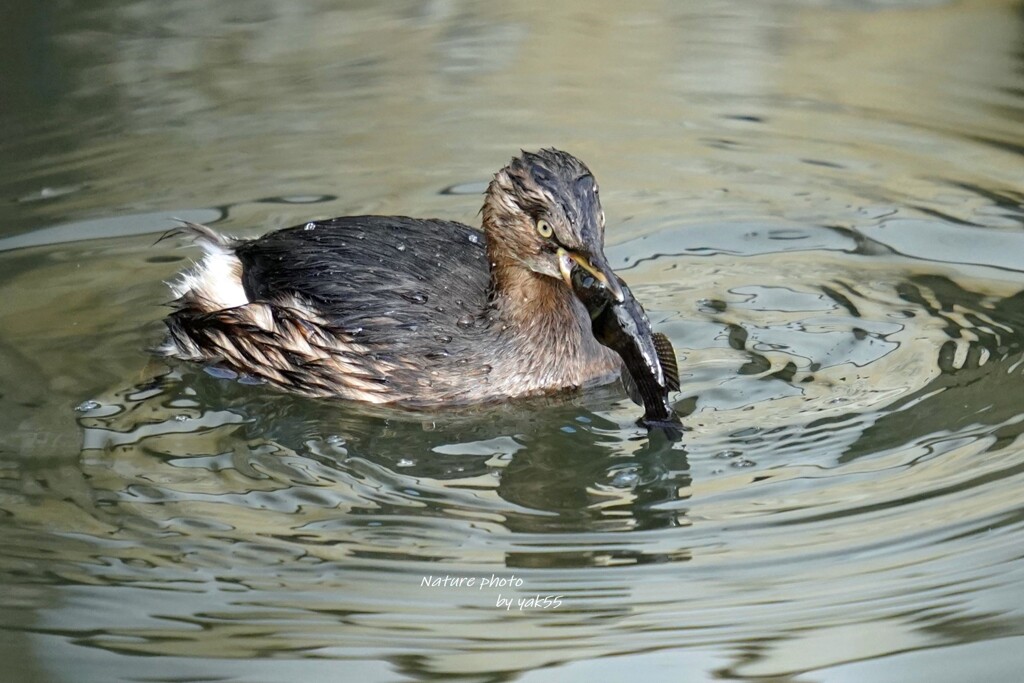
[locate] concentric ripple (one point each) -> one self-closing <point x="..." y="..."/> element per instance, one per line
<point x="819" y="202"/>
<point x="849" y="462"/>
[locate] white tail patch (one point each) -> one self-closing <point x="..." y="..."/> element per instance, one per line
<point x="216" y="279"/>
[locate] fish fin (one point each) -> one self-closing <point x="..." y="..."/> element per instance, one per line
<point x="630" y="386"/>
<point x="667" y="356"/>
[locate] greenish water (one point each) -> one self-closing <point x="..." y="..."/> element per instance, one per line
<point x="820" y="202"/>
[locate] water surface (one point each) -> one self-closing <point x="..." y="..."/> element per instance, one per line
<point x="820" y="202"/>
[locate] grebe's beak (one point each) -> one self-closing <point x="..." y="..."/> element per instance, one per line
<point x="598" y="267"/>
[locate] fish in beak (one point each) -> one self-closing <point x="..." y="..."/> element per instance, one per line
<point x="597" y="267"/>
<point x="649" y="362"/>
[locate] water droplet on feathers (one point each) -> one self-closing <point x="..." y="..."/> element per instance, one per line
<point x="416" y="297"/>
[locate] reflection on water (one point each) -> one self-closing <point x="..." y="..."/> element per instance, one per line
<point x="821" y="209"/>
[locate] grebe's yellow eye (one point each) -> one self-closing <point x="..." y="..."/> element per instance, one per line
<point x="544" y="229"/>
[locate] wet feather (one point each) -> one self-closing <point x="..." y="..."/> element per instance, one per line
<point x="391" y="309"/>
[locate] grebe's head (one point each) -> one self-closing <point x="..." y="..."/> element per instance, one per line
<point x="543" y="211"/>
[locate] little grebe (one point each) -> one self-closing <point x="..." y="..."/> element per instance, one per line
<point x="408" y="311"/>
